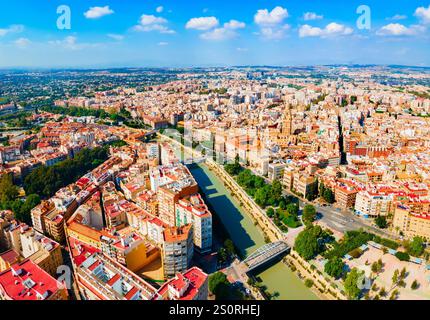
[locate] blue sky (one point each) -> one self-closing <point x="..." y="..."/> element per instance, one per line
<point x="176" y="33"/>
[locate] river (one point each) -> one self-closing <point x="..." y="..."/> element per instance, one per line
<point x="248" y="237"/>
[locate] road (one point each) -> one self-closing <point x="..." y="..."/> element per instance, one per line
<point x="342" y="220"/>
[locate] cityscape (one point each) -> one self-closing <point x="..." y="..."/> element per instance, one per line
<point x="242" y="179"/>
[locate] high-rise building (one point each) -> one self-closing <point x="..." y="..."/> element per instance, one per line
<point x="192" y="209"/>
<point x="178" y="249"/>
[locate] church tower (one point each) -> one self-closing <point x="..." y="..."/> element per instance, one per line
<point x="287" y="122"/>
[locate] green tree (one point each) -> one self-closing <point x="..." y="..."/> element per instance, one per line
<point x="328" y="196"/>
<point x="312" y="193"/>
<point x="351" y="284"/>
<point x="381" y="222"/>
<point x="309" y="283"/>
<point x="334" y="267"/>
<point x="307" y="242"/>
<point x="415" y="247"/>
<point x="229" y="246"/>
<point x="309" y="213"/>
<point x="292" y="209"/>
<point x="276" y="193"/>
<point x="221" y="287"/>
<point x="270" y="212"/>
<point x="8" y="191"/>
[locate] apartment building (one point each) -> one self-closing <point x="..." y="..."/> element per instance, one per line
<point x="370" y="204"/>
<point x="27" y="281"/>
<point x="345" y="193"/>
<point x="193" y="210"/>
<point x="99" y="277"/>
<point x="178" y="249"/>
<point x="411" y="223"/>
<point x="191" y="285"/>
<point x="28" y="243"/>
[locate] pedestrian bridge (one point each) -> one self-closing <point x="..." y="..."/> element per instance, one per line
<point x="265" y="255"/>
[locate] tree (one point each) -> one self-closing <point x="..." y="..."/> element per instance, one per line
<point x="415" y="285"/>
<point x="8" y="191"/>
<point x="307" y="244"/>
<point x="402" y="256"/>
<point x="276" y="194"/>
<point x="309" y="283"/>
<point x="222" y="255"/>
<point x="381" y="222"/>
<point x="415" y="247"/>
<point x="292" y="209"/>
<point x="309" y="213"/>
<point x="312" y="192"/>
<point x="222" y="289"/>
<point x="328" y="196"/>
<point x="395" y="277"/>
<point x="334" y="267"/>
<point x="23" y="210"/>
<point x="229" y="246"/>
<point x="351" y="284"/>
<point x="217" y="284"/>
<point x="261" y="197"/>
<point x="270" y="212"/>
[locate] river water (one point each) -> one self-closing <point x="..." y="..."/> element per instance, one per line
<point x="247" y="237"/>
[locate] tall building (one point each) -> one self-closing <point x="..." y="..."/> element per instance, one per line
<point x="172" y="183"/>
<point x="192" y="209"/>
<point x="178" y="249"/>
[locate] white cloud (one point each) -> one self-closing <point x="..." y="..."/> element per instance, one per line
<point x="15" y="28"/>
<point x="423" y="14"/>
<point x="312" y="16"/>
<point x="330" y="30"/>
<point x="163" y="43"/>
<point x="242" y="49"/>
<point x="397" y="29"/>
<point x="149" y="19"/>
<point x="219" y="34"/>
<point x="234" y="24"/>
<point x="209" y="24"/>
<point x="397" y="17"/>
<point x="202" y="23"/>
<point x="276" y="16"/>
<point x="22" y="42"/>
<point x="159" y="9"/>
<point x="98" y="12"/>
<point x="270" y="33"/>
<point x="69" y="42"/>
<point x="271" y="23"/>
<point x="117" y="37"/>
<point x="152" y="23"/>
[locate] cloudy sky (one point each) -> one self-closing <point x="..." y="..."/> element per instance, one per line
<point x="176" y="33"/>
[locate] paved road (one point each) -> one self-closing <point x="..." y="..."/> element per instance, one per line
<point x="343" y="220"/>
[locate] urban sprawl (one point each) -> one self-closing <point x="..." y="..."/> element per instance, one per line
<point x="102" y="195"/>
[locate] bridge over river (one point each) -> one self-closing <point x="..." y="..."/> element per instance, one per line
<point x="266" y="255"/>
